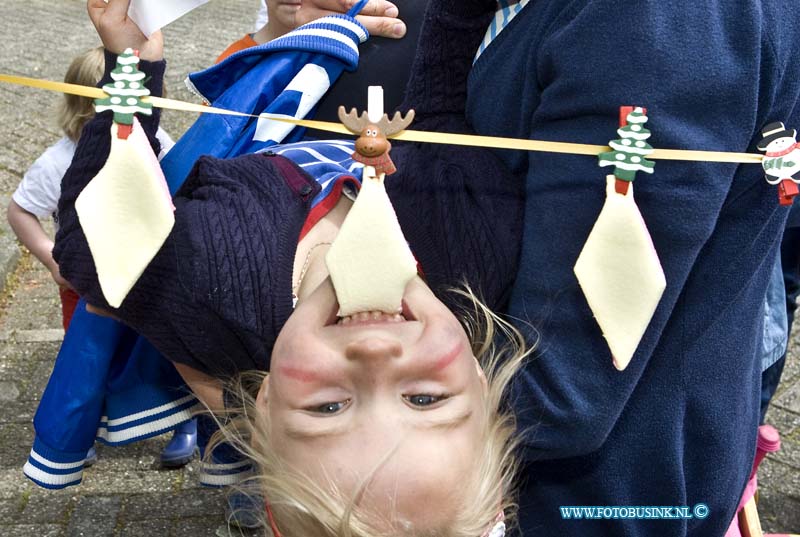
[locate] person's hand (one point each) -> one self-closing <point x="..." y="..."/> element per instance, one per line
<point x="379" y="17"/>
<point x="119" y="32"/>
<point x="58" y="278"/>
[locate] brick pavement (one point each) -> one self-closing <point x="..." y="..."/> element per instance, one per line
<point x="126" y="493"/>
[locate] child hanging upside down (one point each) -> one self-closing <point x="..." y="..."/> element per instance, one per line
<point x="383" y="422"/>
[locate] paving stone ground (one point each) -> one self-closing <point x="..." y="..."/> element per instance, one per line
<point x="126" y="493"/>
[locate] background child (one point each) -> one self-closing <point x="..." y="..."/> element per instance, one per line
<point x="37" y="196"/>
<point x="384" y="60"/>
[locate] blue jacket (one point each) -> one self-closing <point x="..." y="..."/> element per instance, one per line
<point x="678" y="426"/>
<point x="285" y="77"/>
<point x="110" y="384"/>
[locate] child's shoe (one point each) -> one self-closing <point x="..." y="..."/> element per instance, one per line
<point x="91" y="457"/>
<point x="182" y="447"/>
<point x="244" y="511"/>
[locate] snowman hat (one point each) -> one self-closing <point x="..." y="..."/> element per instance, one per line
<point x="772" y="132"/>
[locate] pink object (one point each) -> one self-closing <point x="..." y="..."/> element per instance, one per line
<point x="769" y="441"/>
<point x="749" y="492"/>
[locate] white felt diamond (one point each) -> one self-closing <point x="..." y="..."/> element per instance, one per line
<point x="370" y="262"/>
<point x="620" y="274"/>
<point x="126" y="213"/>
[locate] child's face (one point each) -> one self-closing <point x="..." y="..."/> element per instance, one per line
<point x="342" y="399"/>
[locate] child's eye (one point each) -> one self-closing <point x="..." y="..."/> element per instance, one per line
<point x="424" y="399"/>
<point x="328" y="408"/>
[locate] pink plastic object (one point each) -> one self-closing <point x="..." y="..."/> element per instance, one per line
<point x="769" y="441"/>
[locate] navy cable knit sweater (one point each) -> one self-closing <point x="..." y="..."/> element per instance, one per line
<point x="219" y="290"/>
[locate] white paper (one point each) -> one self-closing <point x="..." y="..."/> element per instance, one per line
<point x="152" y="15"/>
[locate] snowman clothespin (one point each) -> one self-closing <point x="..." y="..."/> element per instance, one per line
<point x="782" y="161"/>
<point x="618" y="269"/>
<point x="125" y="211"/>
<point x="370" y="262"/>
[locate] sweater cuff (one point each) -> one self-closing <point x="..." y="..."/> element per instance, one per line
<point x="154" y="81"/>
<point x="154" y="73"/>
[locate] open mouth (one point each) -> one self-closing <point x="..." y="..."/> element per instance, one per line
<point x="370" y="317"/>
<point x="366" y="318"/>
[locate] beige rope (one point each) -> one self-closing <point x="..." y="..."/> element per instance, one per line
<point x="406" y="135"/>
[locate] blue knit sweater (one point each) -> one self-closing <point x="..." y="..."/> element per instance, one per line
<point x="678" y="426"/>
<point x="219" y="290"/>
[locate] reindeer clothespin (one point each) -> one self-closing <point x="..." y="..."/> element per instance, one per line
<point x="374" y="128"/>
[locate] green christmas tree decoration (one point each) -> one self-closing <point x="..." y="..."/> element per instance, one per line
<point x="629" y="150"/>
<point x="126" y="92"/>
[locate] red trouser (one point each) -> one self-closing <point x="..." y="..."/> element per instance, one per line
<point x="69" y="300"/>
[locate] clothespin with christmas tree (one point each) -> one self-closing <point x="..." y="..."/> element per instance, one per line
<point x="125" y="93"/>
<point x="618" y="268"/>
<point x="370" y="262"/>
<point x="629" y="152"/>
<point x="125" y="211"/>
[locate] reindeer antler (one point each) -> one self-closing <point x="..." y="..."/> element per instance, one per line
<point x="352" y="121"/>
<point x="397" y="124"/>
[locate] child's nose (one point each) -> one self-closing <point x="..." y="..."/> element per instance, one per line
<point x="372" y="348"/>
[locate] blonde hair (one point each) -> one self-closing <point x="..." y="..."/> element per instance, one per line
<point x="74" y="111"/>
<point x="302" y="507"/>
